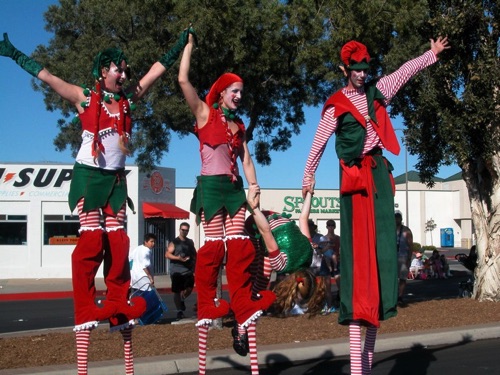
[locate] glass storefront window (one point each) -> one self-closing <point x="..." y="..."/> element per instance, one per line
<point x="60" y="229"/>
<point x="13" y="229"/>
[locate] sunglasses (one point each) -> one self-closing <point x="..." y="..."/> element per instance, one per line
<point x="185" y="230"/>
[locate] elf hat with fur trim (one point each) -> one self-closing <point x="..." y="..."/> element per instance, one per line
<point x="355" y="56"/>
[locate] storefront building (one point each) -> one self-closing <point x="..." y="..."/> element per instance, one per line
<point x="38" y="232"/>
<point x="446" y="204"/>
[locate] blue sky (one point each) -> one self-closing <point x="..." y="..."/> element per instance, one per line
<point x="28" y="129"/>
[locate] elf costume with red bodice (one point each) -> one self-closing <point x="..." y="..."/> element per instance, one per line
<point x="102" y="186"/>
<point x="219" y="203"/>
<point x="98" y="187"/>
<point x="212" y="194"/>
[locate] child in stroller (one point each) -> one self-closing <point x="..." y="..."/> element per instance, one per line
<point x="468" y="261"/>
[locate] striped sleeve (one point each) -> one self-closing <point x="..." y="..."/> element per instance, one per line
<point x="326" y="128"/>
<point x="278" y="260"/>
<point x="390" y="84"/>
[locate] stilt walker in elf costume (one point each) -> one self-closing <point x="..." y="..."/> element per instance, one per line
<point x="358" y="117"/>
<point x="99" y="189"/>
<point x="219" y="202"/>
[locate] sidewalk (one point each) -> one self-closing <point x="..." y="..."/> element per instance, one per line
<point x="26" y="289"/>
<point x="188" y="362"/>
<point x="182" y="363"/>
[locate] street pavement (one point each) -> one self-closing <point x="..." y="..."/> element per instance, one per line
<point x="18" y="289"/>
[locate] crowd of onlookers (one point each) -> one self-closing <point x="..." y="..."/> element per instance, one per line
<point x="435" y="266"/>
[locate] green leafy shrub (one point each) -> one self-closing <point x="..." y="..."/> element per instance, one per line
<point x="429" y="247"/>
<point x="416" y="247"/>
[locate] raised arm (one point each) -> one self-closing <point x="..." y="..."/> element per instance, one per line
<point x="198" y="107"/>
<point x="389" y="85"/>
<point x="69" y="92"/>
<point x="161" y="66"/>
<point x="306" y="208"/>
<point x="253" y="199"/>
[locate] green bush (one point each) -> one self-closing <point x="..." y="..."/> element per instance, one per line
<point x="429" y="247"/>
<point x="416" y="247"/>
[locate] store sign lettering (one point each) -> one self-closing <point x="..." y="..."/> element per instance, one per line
<point x="319" y="205"/>
<point x="41" y="178"/>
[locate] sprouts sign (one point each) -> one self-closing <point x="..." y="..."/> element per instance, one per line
<point x="319" y="204"/>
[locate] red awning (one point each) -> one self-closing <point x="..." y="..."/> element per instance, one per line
<point x="165" y="210"/>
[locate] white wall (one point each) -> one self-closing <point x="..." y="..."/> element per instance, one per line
<point x="20" y="196"/>
<point x="443" y="206"/>
<point x="36" y="190"/>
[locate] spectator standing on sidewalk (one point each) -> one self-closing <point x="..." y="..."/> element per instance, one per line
<point x="141" y="260"/>
<point x="330" y="247"/>
<point x="404" y="243"/>
<point x="182" y="255"/>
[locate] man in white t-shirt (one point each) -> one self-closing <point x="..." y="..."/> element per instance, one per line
<point x="141" y="260"/>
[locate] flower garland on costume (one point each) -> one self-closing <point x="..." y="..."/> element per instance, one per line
<point x="231" y="138"/>
<point x="125" y="105"/>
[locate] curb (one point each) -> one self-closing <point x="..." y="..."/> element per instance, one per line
<point x="279" y="353"/>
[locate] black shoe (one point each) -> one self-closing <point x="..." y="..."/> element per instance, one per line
<point x="402" y="302"/>
<point x="240" y="342"/>
<point x="180" y="315"/>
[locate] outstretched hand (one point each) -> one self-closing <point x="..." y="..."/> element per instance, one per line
<point x="6" y="47"/>
<point x="193" y="38"/>
<point x="253" y="196"/>
<point x="439" y="45"/>
<point x="312" y="179"/>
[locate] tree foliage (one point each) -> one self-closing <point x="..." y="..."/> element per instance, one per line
<point x="452" y="114"/>
<point x="452" y="111"/>
<point x="288" y="52"/>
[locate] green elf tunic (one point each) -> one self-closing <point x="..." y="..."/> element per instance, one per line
<point x="368" y="262"/>
<point x="291" y="242"/>
<point x="368" y="230"/>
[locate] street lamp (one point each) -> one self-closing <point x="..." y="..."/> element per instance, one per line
<point x="406" y="176"/>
